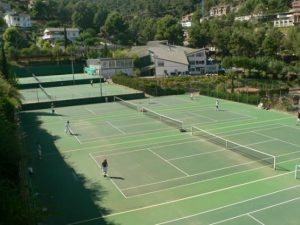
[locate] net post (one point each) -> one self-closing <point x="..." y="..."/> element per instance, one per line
<point x="296" y="171"/>
<point x="274" y="166"/>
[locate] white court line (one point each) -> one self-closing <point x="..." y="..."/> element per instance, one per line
<point x="182" y="199"/>
<point x="258" y="210"/>
<point x="222" y="149"/>
<point x="289" y="126"/>
<point x="191" y="183"/>
<point x="198" y="154"/>
<point x="248" y="130"/>
<point x="248" y="214"/>
<point x="119" y="153"/>
<point x="91" y="111"/>
<point x="199" y="115"/>
<point x="243" y="115"/>
<point x="117" y="128"/>
<point x="168" y="162"/>
<point x="123" y="143"/>
<point x="109" y="179"/>
<point x="144" y="149"/>
<point x="75" y="136"/>
<point x="244" y="124"/>
<point x="90" y="140"/>
<point x="287" y="142"/>
<point x="233" y="204"/>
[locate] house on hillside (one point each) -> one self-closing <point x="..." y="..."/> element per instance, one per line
<point x="13" y="19"/>
<point x="108" y="67"/>
<point x="296" y="12"/>
<point x="290" y="18"/>
<point x="201" y="63"/>
<point x="166" y="60"/>
<point x="220" y="10"/>
<point x="186" y="20"/>
<point x="284" y="20"/>
<point x="169" y="60"/>
<point x="56" y="34"/>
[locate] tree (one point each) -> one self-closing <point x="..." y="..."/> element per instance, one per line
<point x="40" y="10"/>
<point x="115" y="28"/>
<point x="272" y="42"/>
<point x="240" y="43"/>
<point x="4" y="65"/>
<point x="14" y="37"/>
<point x="99" y="18"/>
<point x="169" y="29"/>
<point x="198" y="36"/>
<point x="83" y="15"/>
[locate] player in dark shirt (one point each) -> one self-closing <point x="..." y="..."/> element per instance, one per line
<point x="104" y="167"/>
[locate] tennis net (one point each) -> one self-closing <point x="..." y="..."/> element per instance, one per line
<point x="297" y="171"/>
<point x="45" y="92"/>
<point x="40" y="86"/>
<point x="244" y="150"/>
<point x="168" y="120"/>
<point x="37" y="79"/>
<point x="126" y="103"/>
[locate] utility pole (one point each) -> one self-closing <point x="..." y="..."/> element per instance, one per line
<point x="202" y="8"/>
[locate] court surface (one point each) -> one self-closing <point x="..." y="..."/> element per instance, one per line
<point x="73" y="92"/>
<point x="55" y="78"/>
<point x="159" y="175"/>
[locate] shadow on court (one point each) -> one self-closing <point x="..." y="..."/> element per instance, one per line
<point x="61" y="193"/>
<point x="117" y="178"/>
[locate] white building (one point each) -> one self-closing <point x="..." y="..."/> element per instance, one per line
<point x="108" y="67"/>
<point x="14" y="20"/>
<point x="55" y="34"/>
<point x="284" y="20"/>
<point x="220" y="10"/>
<point x="169" y="60"/>
<point x="186" y="20"/>
<point x="201" y="63"/>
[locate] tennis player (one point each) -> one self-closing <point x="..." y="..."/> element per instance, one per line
<point x="104" y="167"/>
<point x="298" y="118"/>
<point x="192" y="96"/>
<point x="52" y="108"/>
<point x="217" y="104"/>
<point x="67" y="127"/>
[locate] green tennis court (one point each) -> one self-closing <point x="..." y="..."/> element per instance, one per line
<point x="73" y="92"/>
<point x="55" y="78"/>
<point x="159" y="175"/>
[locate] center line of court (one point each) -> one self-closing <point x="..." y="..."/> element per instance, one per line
<point x="255" y="219"/>
<point x="115" y="127"/>
<point x="167" y="161"/>
<point x="255" y="211"/>
<point x="91" y="111"/>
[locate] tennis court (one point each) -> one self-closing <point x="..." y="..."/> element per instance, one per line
<point x="55" y="78"/>
<point x="72" y="92"/>
<point x="220" y="171"/>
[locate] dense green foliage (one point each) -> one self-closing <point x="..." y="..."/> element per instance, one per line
<point x="14" y="194"/>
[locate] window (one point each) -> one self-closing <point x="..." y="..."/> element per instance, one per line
<point x="201" y="62"/>
<point x="160" y="63"/>
<point x="199" y="54"/>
